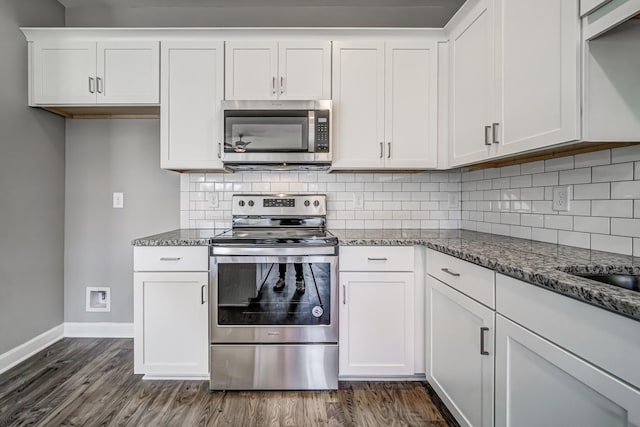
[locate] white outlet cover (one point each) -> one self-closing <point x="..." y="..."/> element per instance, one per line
<point x="213" y="200"/>
<point x="561" y="198"/>
<point x="358" y="200"/>
<point x="454" y="200"/>
<point x="118" y="200"/>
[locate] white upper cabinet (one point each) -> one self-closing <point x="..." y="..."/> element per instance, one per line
<point x="89" y="73"/>
<point x="472" y="71"/>
<point x="190" y="114"/>
<point x="278" y="70"/>
<point x="537" y="74"/>
<point x="514" y="69"/>
<point x="385" y="105"/>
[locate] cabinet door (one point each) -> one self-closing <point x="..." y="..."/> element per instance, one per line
<point x="456" y="367"/>
<point x="128" y="73"/>
<point x="190" y="114"/>
<point x="304" y="70"/>
<point x="472" y="90"/>
<point x="251" y="70"/>
<point x="411" y="102"/>
<point x="376" y="324"/>
<point x="358" y="105"/>
<point x="537" y="73"/>
<point x="64" y="73"/>
<point x="171" y="324"/>
<point x="540" y="384"/>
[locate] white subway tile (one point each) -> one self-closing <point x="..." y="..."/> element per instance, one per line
<point x="616" y="172"/>
<point x="451" y="224"/>
<point x="521" y="232"/>
<point x="578" y="207"/>
<point x="542" y="206"/>
<point x="591" y="224"/>
<point x="484" y="227"/>
<point x="363" y="177"/>
<point x="491" y="173"/>
<point x="491" y="195"/>
<point x="545" y="179"/>
<point x="625" y="154"/>
<point x="558" y="222"/>
<point x="533" y="193"/>
<point x="616" y="244"/>
<point x="475" y="175"/>
<point x="354" y="186"/>
<point x="625" y="190"/>
<point x="636" y="247"/>
<point x="592" y="191"/>
<point x="439" y="215"/>
<point x="636" y="208"/>
<point x="307" y="177"/>
<point x="510" y="218"/>
<point x="345" y="177"/>
<point x="429" y="224"/>
<point x="493" y="217"/>
<point x="513" y="170"/>
<point x="511" y="194"/>
<point x="373" y="224"/>
<point x="196" y="177"/>
<point x="571" y="238"/>
<point x="625" y="227"/>
<point x="484" y="185"/>
<point x="429" y="186"/>
<point x="469" y="186"/>
<point x="575" y="176"/>
<point x="450" y="186"/>
<point x="420" y="215"/>
<point x="521" y="181"/>
<point x="532" y="167"/>
<point x="401" y="195"/>
<point x="476" y="195"/>
<point x="544" y="235"/>
<point x="500" y="183"/>
<point x="363" y="214"/>
<point x="561" y="163"/>
<point x="280" y="187"/>
<point x="612" y="208"/>
<point x="391" y="223"/>
<point x="595" y="158"/>
<point x="500" y="229"/>
<point x="184" y="182"/>
<point x="455" y="215"/>
<point x="532" y="220"/>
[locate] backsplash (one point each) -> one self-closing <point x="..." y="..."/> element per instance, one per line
<point x="391" y="200"/>
<point x="604" y="210"/>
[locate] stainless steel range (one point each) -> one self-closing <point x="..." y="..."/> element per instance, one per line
<point x="274" y="312"/>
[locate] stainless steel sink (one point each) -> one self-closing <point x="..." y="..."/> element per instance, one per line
<point x="626" y="281"/>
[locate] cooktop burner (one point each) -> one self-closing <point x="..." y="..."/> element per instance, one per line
<point x="275" y="236"/>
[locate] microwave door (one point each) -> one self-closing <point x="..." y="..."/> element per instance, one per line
<point x="266" y="134"/>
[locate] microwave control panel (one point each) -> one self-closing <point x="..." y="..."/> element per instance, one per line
<point x="322" y="131"/>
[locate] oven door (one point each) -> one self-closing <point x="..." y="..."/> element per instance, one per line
<point x="245" y="307"/>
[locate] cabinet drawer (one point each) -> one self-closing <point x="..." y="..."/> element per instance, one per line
<point x="470" y="279"/>
<point x="171" y="258"/>
<point x="376" y="258"/>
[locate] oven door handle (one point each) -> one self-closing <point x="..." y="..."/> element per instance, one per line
<point x="272" y="251"/>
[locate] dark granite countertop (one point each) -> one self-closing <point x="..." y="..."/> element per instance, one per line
<point x="542" y="264"/>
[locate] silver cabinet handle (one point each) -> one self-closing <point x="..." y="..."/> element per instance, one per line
<point x="381" y="149"/>
<point x="344" y="294"/>
<point x="487" y="129"/>
<point x="202" y="294"/>
<point x="376" y="259"/>
<point x="281" y="84"/>
<point x="99" y="85"/>
<point x="273" y="85"/>
<point x="170" y="259"/>
<point x="219" y="150"/>
<point x="92" y="85"/>
<point x="446" y="270"/>
<point x="482" y="350"/>
<point x="388" y="150"/>
<point x="494" y="130"/>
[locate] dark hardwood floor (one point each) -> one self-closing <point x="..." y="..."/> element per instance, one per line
<point x="90" y="382"/>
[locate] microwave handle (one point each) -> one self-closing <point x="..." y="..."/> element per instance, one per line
<point x="311" y="146"/>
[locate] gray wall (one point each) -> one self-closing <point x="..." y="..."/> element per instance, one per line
<point x="263" y="16"/>
<point x="31" y="187"/>
<point x="104" y="156"/>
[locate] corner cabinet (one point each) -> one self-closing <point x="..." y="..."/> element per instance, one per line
<point x="515" y="78"/>
<point x="376" y="311"/>
<point x="278" y="70"/>
<point x="192" y="89"/>
<point x="171" y="312"/>
<point x="385" y="99"/>
<point x="94" y="73"/>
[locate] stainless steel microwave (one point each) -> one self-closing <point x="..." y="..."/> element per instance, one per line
<point x="277" y="133"/>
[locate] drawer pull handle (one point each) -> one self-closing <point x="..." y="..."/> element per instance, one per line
<point x="482" y="350"/>
<point x="170" y="259"/>
<point x="344" y="294"/>
<point x="376" y="259"/>
<point x="203" y="299"/>
<point x="446" y="270"/>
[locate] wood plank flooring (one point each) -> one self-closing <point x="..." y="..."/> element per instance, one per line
<point x="90" y="382"/>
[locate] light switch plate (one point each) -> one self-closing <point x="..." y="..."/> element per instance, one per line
<point x="213" y="200"/>
<point x="454" y="201"/>
<point x="358" y="201"/>
<point x="118" y="200"/>
<point x="561" y="198"/>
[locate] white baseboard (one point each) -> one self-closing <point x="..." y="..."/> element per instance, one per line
<point x="22" y="352"/>
<point x="98" y="330"/>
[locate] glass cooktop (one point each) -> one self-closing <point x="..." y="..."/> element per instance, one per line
<point x="276" y="236"/>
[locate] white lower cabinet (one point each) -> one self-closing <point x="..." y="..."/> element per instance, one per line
<point x="376" y="324"/>
<point x="171" y="324"/>
<point x="460" y="353"/>
<point x="541" y="384"/>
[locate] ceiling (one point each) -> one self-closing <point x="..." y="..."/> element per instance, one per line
<point x="429" y="13"/>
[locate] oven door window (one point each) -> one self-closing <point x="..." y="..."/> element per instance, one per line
<point x="250" y="294"/>
<point x="264" y="134"/>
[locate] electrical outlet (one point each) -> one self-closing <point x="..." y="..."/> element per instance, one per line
<point x="454" y="200"/>
<point x="561" y="198"/>
<point x="213" y="200"/>
<point x="358" y="201"/>
<point x="118" y="200"/>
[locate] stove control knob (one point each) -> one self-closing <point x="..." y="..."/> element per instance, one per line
<point x="241" y="203"/>
<point x="307" y="203"/>
<point x="316" y="203"/>
<point x="251" y="203"/>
